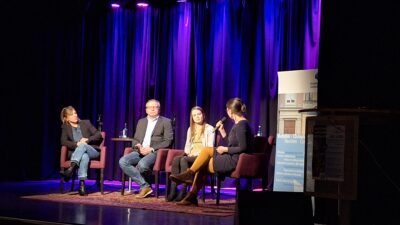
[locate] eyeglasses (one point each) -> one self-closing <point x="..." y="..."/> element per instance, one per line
<point x="152" y="107"/>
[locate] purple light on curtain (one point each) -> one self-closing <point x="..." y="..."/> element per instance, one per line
<point x="177" y="75"/>
<point x="272" y="29"/>
<point x="116" y="85"/>
<point x="142" y="4"/>
<point x="193" y="54"/>
<point x="312" y="34"/>
<point x="224" y="64"/>
<point x="141" y="76"/>
<point x="200" y="52"/>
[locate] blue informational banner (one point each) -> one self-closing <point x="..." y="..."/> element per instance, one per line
<point x="297" y="90"/>
<point x="289" y="163"/>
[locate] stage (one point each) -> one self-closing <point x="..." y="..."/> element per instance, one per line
<point x="16" y="209"/>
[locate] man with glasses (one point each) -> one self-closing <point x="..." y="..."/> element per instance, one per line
<point x="152" y="133"/>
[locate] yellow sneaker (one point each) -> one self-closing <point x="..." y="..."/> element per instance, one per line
<point x="144" y="192"/>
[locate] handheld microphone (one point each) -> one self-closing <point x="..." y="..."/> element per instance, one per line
<point x="217" y="127"/>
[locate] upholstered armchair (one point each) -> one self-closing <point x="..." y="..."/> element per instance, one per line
<point x="98" y="164"/>
<point x="250" y="165"/>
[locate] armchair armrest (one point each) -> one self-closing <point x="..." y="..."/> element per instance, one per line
<point x="170" y="157"/>
<point x="103" y="155"/>
<point x="63" y="156"/>
<point x="250" y="165"/>
<point x="160" y="160"/>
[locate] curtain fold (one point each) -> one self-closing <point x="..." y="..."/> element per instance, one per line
<point x="111" y="61"/>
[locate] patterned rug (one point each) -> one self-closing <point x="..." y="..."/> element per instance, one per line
<point x="226" y="207"/>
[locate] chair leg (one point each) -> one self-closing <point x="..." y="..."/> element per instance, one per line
<point x="72" y="181"/>
<point x="62" y="183"/>
<point x="123" y="183"/>
<point x="157" y="174"/>
<point x="237" y="189"/>
<point x="167" y="184"/>
<point x="264" y="183"/>
<point x="102" y="181"/>
<point x="98" y="178"/>
<point x="212" y="183"/>
<point x="218" y="189"/>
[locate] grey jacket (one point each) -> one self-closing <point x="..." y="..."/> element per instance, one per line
<point x="161" y="137"/>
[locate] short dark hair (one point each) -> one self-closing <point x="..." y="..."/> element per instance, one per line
<point x="236" y="105"/>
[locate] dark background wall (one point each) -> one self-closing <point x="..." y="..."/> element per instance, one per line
<point x="359" y="69"/>
<point x="359" y="55"/>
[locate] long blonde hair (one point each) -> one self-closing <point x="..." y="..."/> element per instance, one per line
<point x="66" y="111"/>
<point x="192" y="123"/>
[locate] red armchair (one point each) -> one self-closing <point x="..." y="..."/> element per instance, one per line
<point x="168" y="167"/>
<point x="159" y="166"/>
<point x="251" y="165"/>
<point x="98" y="164"/>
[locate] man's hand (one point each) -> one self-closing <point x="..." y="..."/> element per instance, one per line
<point x="145" y="150"/>
<point x="138" y="146"/>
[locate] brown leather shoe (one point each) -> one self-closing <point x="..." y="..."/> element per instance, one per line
<point x="144" y="192"/>
<point x="185" y="177"/>
<point x="189" y="200"/>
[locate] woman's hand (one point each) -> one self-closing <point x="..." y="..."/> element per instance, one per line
<point x="221" y="128"/>
<point x="221" y="150"/>
<point x="82" y="141"/>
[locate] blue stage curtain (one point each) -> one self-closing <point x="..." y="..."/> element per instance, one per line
<point x="111" y="61"/>
<point x="203" y="53"/>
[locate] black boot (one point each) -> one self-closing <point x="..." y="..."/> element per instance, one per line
<point x="67" y="174"/>
<point x="82" y="191"/>
<point x="172" y="194"/>
<point x="182" y="193"/>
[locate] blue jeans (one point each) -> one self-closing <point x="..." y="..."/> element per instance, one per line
<point x="81" y="156"/>
<point x="138" y="167"/>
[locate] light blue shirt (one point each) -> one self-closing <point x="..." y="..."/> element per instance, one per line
<point x="77" y="133"/>
<point x="151" y="123"/>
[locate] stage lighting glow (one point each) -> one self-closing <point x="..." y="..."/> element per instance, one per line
<point x="115" y="5"/>
<point x="142" y="4"/>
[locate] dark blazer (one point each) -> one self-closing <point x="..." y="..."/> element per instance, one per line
<point x="161" y="137"/>
<point x="88" y="131"/>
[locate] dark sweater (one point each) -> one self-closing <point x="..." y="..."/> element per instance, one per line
<point x="240" y="139"/>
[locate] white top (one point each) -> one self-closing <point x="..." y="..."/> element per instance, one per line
<point x="151" y="123"/>
<point x="207" y="139"/>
